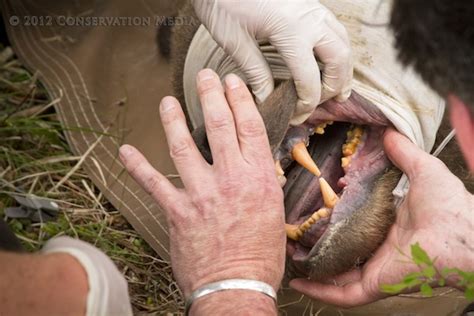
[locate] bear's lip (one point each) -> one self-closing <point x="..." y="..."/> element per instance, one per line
<point x="352" y="184"/>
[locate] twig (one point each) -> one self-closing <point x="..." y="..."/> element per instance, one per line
<point x="78" y="165"/>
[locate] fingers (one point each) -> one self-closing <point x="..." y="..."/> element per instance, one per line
<point x="349" y="295"/>
<point x="305" y="72"/>
<point x="345" y="278"/>
<point x="186" y="157"/>
<point x="403" y="153"/>
<point x="153" y="182"/>
<point x="218" y="119"/>
<point x="341" y="31"/>
<point x="251" y="132"/>
<point x="250" y="60"/>
<point x="335" y="53"/>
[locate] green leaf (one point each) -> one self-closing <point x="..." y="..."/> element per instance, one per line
<point x="469" y="294"/>
<point x="413" y="275"/>
<point x="442" y="282"/>
<point x="413" y="279"/>
<point x="467" y="276"/>
<point x="429" y="272"/>
<point x="393" y="288"/>
<point x="426" y="290"/>
<point x="447" y="271"/>
<point x="419" y="255"/>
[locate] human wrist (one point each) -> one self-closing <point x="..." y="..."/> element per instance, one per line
<point x="234" y="302"/>
<point x="250" y="271"/>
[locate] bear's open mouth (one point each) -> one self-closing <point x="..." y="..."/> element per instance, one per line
<point x="334" y="175"/>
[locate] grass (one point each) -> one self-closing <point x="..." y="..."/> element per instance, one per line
<point x="35" y="159"/>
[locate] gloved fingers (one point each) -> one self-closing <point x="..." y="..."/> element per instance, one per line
<point x="338" y="28"/>
<point x="304" y="69"/>
<point x="278" y="66"/>
<point x="250" y="60"/>
<point x="335" y="54"/>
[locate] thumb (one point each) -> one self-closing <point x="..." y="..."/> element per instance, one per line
<point x="402" y="152"/>
<point x="347" y="295"/>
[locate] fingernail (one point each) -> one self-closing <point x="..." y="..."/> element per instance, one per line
<point x="262" y="93"/>
<point x="205" y="74"/>
<point x="167" y="104"/>
<point x="232" y="81"/>
<point x="125" y="151"/>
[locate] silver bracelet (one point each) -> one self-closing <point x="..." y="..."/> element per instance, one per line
<point x="231" y="284"/>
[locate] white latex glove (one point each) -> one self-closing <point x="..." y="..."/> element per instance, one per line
<point x="299" y="29"/>
<point x="108" y="290"/>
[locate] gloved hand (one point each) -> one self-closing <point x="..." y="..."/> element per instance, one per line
<point x="108" y="290"/>
<point x="298" y="29"/>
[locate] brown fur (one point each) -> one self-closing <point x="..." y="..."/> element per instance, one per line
<point x="181" y="37"/>
<point x="353" y="240"/>
<point x="453" y="157"/>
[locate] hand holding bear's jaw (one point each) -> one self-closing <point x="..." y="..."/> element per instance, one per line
<point x="436" y="202"/>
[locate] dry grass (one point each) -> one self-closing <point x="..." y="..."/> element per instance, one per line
<point x="35" y="159"/>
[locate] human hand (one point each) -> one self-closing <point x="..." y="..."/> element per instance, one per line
<point x="298" y="30"/>
<point x="228" y="221"/>
<point x="437" y="213"/>
<point x="107" y="288"/>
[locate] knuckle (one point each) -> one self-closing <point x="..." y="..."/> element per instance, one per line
<point x="241" y="95"/>
<point x="171" y="116"/>
<point x="416" y="168"/>
<point x="209" y="86"/>
<point x="219" y="123"/>
<point x="419" y="165"/>
<point x="343" y="56"/>
<point x="136" y="169"/>
<point x="180" y="149"/>
<point x="151" y="183"/>
<point x="251" y="128"/>
<point x="202" y="200"/>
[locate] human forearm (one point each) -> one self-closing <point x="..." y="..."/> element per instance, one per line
<point x="234" y="302"/>
<point x="54" y="284"/>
